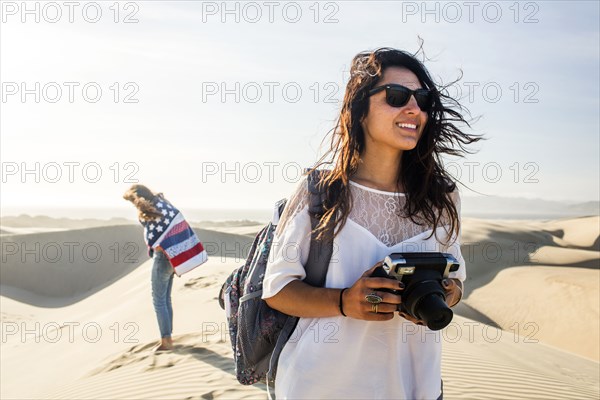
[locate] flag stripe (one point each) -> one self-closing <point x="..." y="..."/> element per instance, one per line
<point x="177" y="238"/>
<point x="180" y="227"/>
<point x="192" y="263"/>
<point x="181" y="258"/>
<point x="178" y="248"/>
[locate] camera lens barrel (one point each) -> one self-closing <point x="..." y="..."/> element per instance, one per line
<point x="426" y="301"/>
<point x="434" y="311"/>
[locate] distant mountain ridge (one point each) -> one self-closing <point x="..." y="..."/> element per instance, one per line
<point x="495" y="205"/>
<point x="471" y="206"/>
<point x="43" y="221"/>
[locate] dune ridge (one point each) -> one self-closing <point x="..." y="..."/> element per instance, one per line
<point x="52" y="269"/>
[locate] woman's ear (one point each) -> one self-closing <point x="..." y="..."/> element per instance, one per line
<point x="361" y="121"/>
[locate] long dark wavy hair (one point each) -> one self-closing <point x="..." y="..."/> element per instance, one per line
<point x="143" y="199"/>
<point x="426" y="183"/>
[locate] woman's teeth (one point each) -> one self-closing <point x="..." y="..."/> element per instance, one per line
<point x="403" y="125"/>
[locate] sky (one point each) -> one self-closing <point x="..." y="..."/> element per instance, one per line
<point x="221" y="105"/>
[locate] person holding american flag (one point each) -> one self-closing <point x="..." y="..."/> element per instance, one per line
<point x="174" y="247"/>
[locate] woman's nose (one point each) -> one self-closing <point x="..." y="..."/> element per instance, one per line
<point x="412" y="105"/>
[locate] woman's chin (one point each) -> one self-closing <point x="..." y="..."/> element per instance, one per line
<point x="406" y="144"/>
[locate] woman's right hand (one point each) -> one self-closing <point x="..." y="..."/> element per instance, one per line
<point x="356" y="305"/>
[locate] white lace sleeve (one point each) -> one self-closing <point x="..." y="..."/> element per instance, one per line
<point x="454" y="248"/>
<point x="296" y="203"/>
<point x="291" y="244"/>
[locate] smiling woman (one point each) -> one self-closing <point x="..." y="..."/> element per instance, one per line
<point x="387" y="192"/>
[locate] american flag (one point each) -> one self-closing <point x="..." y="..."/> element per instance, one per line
<point x="175" y="237"/>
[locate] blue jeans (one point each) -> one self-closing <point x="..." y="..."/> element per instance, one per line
<point x="162" y="282"/>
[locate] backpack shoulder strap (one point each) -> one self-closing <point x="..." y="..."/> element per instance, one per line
<point x="316" y="267"/>
<point x="320" y="251"/>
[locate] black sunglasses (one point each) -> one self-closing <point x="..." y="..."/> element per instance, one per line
<point x="398" y="95"/>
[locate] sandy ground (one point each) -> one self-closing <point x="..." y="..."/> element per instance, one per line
<point x="78" y="322"/>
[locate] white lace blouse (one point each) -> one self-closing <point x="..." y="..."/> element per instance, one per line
<point x="340" y="357"/>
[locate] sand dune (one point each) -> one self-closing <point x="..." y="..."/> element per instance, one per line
<point x="538" y="281"/>
<point x="52" y="269"/>
<point x="534" y="276"/>
<point x="577" y="232"/>
<point x="553" y="305"/>
<point x="250" y="230"/>
<point x="70" y="264"/>
<point x="28" y="230"/>
<point x="195" y="369"/>
<point x="108" y="324"/>
<point x="491" y="246"/>
<point x="42" y="221"/>
<point x="495" y="364"/>
<point x="202" y="369"/>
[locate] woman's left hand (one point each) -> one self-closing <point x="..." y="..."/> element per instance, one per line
<point x="453" y="288"/>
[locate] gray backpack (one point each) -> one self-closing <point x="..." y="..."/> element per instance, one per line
<point x="258" y="333"/>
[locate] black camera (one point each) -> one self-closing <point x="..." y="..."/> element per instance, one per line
<point x="423" y="296"/>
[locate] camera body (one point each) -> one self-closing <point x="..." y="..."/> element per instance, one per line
<point x="423" y="296"/>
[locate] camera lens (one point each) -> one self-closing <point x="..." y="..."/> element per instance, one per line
<point x="433" y="310"/>
<point x="425" y="301"/>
